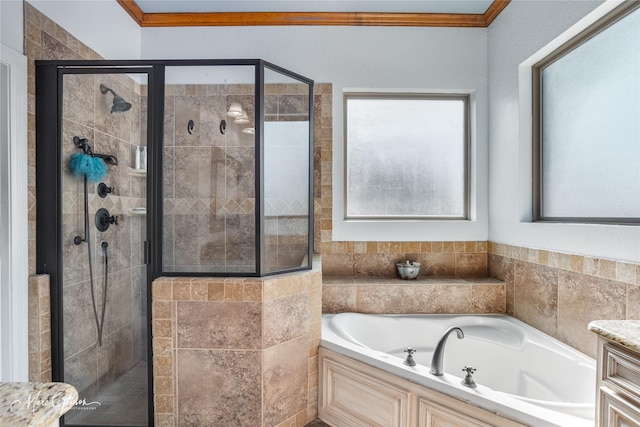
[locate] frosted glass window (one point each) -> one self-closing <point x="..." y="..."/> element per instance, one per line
<point x="590" y="128"/>
<point x="406" y="156"/>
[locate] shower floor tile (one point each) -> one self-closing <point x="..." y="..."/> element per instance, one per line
<point x="123" y="402"/>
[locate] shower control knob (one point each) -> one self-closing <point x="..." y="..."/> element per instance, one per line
<point x="103" y="190"/>
<point x="104" y="220"/>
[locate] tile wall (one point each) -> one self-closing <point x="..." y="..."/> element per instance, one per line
<point x="561" y="293"/>
<point x="39" y="329"/>
<point x="209" y="180"/>
<point x="420" y="296"/>
<point x="233" y="351"/>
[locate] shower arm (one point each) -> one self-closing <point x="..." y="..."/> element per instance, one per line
<point x="83" y="144"/>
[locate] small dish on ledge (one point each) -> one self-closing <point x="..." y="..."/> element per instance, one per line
<point x="408" y="270"/>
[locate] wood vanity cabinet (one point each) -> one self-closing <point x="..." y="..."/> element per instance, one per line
<point x="618" y="398"/>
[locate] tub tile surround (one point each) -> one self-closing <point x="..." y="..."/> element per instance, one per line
<point x="237" y="351"/>
<point x="423" y="295"/>
<point x="561" y="293"/>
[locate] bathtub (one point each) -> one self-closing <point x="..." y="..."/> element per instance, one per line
<point x="522" y="374"/>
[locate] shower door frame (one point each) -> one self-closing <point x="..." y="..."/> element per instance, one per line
<point x="49" y="254"/>
<point x="49" y="86"/>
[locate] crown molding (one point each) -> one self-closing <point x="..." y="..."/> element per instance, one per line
<point x="222" y="19"/>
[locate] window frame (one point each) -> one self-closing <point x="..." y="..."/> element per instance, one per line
<point x="465" y="97"/>
<point x="576" y="40"/>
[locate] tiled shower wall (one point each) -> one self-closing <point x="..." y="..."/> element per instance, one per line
<point x="87" y="114"/>
<point x="560" y="293"/>
<point x="209" y="180"/>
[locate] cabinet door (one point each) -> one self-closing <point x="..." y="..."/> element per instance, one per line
<point x="351" y="398"/>
<point x="617" y="412"/>
<point x="431" y="414"/>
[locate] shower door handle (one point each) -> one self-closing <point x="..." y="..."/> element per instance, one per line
<point x="146" y="251"/>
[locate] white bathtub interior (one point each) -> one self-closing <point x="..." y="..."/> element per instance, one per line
<point x="519" y="369"/>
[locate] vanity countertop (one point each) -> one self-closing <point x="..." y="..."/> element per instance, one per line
<point x="623" y="332"/>
<point x="35" y="404"/>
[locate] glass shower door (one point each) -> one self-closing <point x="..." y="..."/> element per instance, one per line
<point x="104" y="277"/>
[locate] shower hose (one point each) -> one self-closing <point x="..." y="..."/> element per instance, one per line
<point x="104" y="245"/>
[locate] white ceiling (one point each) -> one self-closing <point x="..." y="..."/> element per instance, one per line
<point x="380" y="6"/>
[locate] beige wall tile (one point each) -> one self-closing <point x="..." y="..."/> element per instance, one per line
<point x="214" y="389"/>
<point x="181" y="290"/>
<point x="437" y="264"/>
<point x="502" y="268"/>
<point x="583" y="298"/>
<point x="378" y="264"/>
<point x="338" y="298"/>
<point x="337" y="264"/>
<point x="488" y="299"/>
<point x="285" y="385"/>
<point x="626" y="272"/>
<point x="285" y="319"/>
<point x="471" y="265"/>
<point x="215" y="291"/>
<point x="412" y="298"/>
<point x="607" y="269"/>
<point x="218" y="325"/>
<point x="633" y="302"/>
<point x="163" y="386"/>
<point x="536" y="296"/>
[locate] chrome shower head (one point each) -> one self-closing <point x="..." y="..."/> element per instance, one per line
<point x="119" y="104"/>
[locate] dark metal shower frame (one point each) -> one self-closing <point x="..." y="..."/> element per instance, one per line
<point x="49" y="259"/>
<point x="49" y="86"/>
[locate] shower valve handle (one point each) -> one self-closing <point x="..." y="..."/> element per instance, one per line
<point x="104" y="220"/>
<point x="103" y="190"/>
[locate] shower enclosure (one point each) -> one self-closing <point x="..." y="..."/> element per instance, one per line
<point x="160" y="168"/>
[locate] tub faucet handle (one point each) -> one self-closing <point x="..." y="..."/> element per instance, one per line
<point x="409" y="360"/>
<point x="468" y="381"/>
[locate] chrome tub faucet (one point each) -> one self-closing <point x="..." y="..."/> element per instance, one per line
<point x="438" y="354"/>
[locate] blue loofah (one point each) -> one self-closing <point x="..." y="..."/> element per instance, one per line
<point x="94" y="168"/>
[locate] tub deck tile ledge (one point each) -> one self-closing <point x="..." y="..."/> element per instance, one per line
<point x="430" y="280"/>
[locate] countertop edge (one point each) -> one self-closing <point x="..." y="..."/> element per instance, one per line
<point x="35" y="403"/>
<point x="623" y="332"/>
